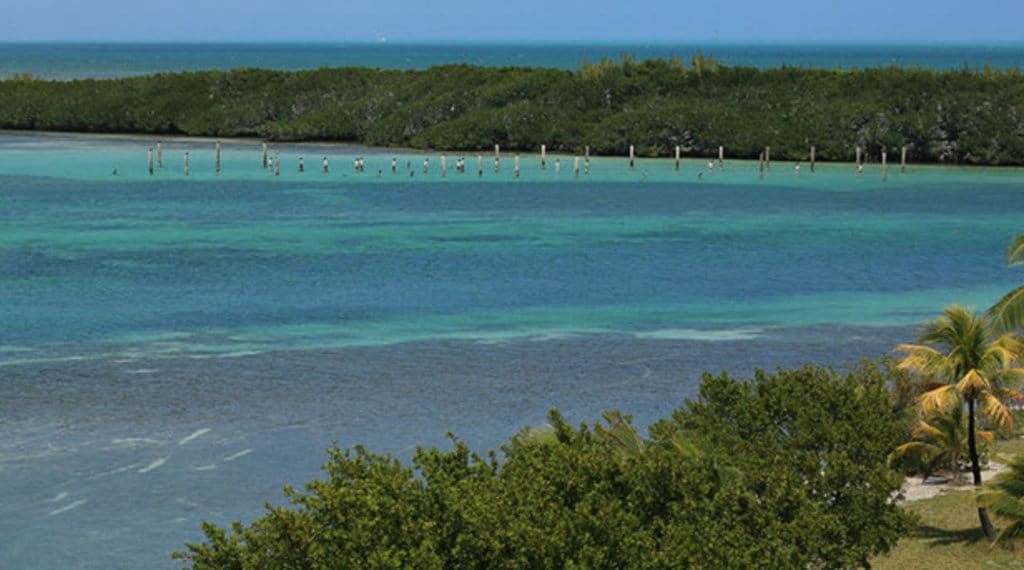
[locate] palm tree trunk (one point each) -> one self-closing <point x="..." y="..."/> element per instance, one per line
<point x="986" y="524"/>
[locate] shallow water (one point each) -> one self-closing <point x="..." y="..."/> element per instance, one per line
<point x="175" y="349"/>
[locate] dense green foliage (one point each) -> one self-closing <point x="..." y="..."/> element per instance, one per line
<point x="953" y="116"/>
<point x="781" y="471"/>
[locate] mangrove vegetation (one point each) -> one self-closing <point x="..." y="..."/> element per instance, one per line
<point x="972" y="116"/>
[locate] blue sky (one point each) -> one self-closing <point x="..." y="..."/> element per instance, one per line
<point x="517" y="20"/>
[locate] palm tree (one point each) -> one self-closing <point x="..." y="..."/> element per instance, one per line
<point x="1006" y="498"/>
<point x="940" y="443"/>
<point x="1008" y="313"/>
<point x="964" y="362"/>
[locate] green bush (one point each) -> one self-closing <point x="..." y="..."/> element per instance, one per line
<point x="787" y="470"/>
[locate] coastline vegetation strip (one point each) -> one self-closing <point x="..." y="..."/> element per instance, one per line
<point x="969" y="116"/>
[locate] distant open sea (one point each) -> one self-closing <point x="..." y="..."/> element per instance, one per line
<point x="176" y="348"/>
<point x="106" y="60"/>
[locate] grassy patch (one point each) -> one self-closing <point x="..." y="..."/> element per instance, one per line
<point x="1009" y="447"/>
<point x="948" y="534"/>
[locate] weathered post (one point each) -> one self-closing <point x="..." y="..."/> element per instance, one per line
<point x="903" y="160"/>
<point x="768" y="158"/>
<point x="277" y="163"/>
<point x="444" y="165"/>
<point x="218" y="157"/>
<point x="264" y="155"/>
<point x="159" y="156"/>
<point x="721" y="157"/>
<point x="885" y="169"/>
<point x="515" y="166"/>
<point x="631" y="157"/>
<point x="812" y="158"/>
<point x="586" y="159"/>
<point x="149" y="156"/>
<point x="186" y="163"/>
<point x="760" y="165"/>
<point x="858" y="157"/>
<point x="543" y="157"/>
<point x="677" y="158"/>
<point x="576" y="166"/>
<point x="497" y="159"/>
<point x="480" y="165"/>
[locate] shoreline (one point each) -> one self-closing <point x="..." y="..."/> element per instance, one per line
<point x="356" y="149"/>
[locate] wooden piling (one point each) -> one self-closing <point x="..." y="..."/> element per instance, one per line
<point x="515" y="167"/>
<point x="480" y="165"/>
<point x="885" y="169"/>
<point x="149" y="156"/>
<point x="576" y="166"/>
<point x="812" y="158"/>
<point x="903" y="160"/>
<point x="264" y="155"/>
<point x="858" y="157"/>
<point x="218" y="157"/>
<point x="186" y="163"/>
<point x="677" y="157"/>
<point x="760" y="165"/>
<point x="721" y="157"/>
<point x="277" y="163"/>
<point x="631" y="157"/>
<point x="543" y="157"/>
<point x="444" y="165"/>
<point x="768" y="158"/>
<point x="159" y="156"/>
<point x="497" y="159"/>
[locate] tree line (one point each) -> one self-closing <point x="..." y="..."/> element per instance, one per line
<point x="965" y="116"/>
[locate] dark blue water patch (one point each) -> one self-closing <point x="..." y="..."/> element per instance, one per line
<point x="583" y="374"/>
<point x="168" y="442"/>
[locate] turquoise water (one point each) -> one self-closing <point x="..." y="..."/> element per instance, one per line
<point x="175" y="349"/>
<point x="70" y="61"/>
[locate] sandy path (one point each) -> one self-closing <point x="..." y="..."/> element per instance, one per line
<point x="915" y="490"/>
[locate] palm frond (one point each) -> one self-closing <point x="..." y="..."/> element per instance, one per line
<point x="939" y="399"/>
<point x="973" y="383"/>
<point x="924" y="430"/>
<point x="996" y="410"/>
<point x="621" y="435"/>
<point x="1007" y="314"/>
<point x="1015" y="253"/>
<point x="922" y="359"/>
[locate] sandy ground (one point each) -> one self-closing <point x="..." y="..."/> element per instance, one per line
<point x="915" y="490"/>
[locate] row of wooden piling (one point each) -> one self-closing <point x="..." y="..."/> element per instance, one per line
<point x="764" y="161"/>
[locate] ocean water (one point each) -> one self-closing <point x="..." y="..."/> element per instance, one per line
<point x="100" y="60"/>
<point x="176" y="349"/>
